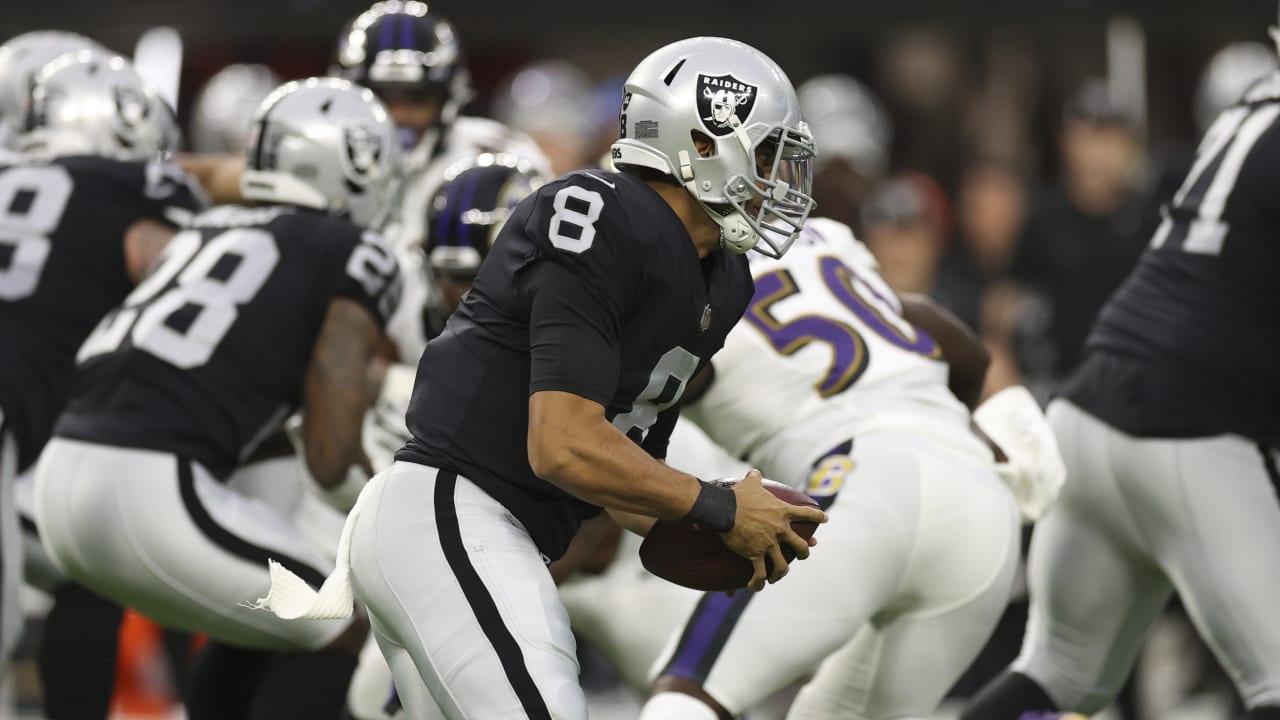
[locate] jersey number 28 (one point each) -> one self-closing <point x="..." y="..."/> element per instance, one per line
<point x="184" y="324"/>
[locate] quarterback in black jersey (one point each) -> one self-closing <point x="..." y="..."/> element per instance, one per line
<point x="554" y="387"/>
<point x="84" y="211"/>
<point x="1170" y="429"/>
<point x="249" y="313"/>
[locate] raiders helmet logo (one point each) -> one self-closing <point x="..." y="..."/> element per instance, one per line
<point x="364" y="150"/>
<point x="131" y="106"/>
<point x="722" y="99"/>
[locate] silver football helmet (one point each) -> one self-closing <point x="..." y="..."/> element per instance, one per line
<point x="327" y="144"/>
<point x="220" y="116"/>
<point x="1229" y="73"/>
<point x="847" y="122"/>
<point x="91" y="103"/>
<point x="756" y="184"/>
<point x="21" y="57"/>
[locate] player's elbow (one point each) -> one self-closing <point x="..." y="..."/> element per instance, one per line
<point x="550" y="454"/>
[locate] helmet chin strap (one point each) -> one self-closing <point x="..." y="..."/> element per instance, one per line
<point x="736" y="234"/>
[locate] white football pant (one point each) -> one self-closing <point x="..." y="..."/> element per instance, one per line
<point x="1137" y="519"/>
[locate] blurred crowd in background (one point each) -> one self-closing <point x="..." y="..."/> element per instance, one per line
<point x="1014" y="173"/>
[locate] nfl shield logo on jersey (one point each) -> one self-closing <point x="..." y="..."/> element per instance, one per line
<point x="364" y="149"/>
<point x="723" y="102"/>
<point x="705" y="323"/>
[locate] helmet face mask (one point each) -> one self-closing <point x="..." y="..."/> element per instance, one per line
<point x="756" y="180"/>
<point x="327" y="144"/>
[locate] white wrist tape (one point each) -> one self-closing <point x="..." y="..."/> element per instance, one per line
<point x="1035" y="471"/>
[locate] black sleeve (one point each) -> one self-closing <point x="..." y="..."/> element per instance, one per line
<point x="573" y="334"/>
<point x="172" y="196"/>
<point x="368" y="272"/>
<point x="583" y="225"/>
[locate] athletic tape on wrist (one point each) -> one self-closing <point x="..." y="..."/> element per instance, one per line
<point x="716" y="507"/>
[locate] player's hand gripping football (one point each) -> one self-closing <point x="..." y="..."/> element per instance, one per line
<point x="763" y="525"/>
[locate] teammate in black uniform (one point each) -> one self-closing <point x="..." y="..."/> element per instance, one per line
<point x="251" y="312"/>
<point x="1170" y="429"/>
<point x="84" y="211"/>
<point x="556" y="383"/>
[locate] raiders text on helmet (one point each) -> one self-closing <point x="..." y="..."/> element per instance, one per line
<point x="324" y="143"/>
<point x="756" y="184"/>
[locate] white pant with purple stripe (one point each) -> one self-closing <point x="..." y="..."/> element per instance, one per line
<point x="906" y="583"/>
<point x="461" y="602"/>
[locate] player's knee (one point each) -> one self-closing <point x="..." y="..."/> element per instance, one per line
<point x="676" y="706"/>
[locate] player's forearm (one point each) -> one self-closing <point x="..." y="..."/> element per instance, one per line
<point x="595" y="462"/>
<point x="964" y="352"/>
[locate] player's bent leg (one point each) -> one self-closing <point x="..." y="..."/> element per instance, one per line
<point x="955" y="587"/>
<point x="1216" y="533"/>
<point x="1094" y="588"/>
<point x="161" y="535"/>
<point x="742" y="649"/>
<point x="471" y="601"/>
<point x="415" y="701"/>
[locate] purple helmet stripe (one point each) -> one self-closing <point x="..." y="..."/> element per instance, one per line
<point x="384" y="32"/>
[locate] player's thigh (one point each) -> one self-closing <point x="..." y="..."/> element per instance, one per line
<point x="161" y="535"/>
<point x="10" y="552"/>
<point x="603" y="611"/>
<point x="450" y="576"/>
<point x="963" y="561"/>
<point x="401" y="685"/>
<point x="904" y="667"/>
<point x="741" y="649"/>
<point x="1219" y="545"/>
<point x="38" y="568"/>
<point x="1094" y="590"/>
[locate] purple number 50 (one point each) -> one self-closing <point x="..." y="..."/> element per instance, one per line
<point x="849" y="355"/>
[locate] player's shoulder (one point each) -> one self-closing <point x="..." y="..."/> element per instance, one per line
<point x="159" y="181"/>
<point x="596" y="204"/>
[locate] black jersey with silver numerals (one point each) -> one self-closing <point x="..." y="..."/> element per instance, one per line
<point x="208" y="355"/>
<point x="62" y="267"/>
<point x="593" y="287"/>
<point x="1190" y="343"/>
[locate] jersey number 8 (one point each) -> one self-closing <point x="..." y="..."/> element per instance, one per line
<point x="32" y="199"/>
<point x="184" y="324"/>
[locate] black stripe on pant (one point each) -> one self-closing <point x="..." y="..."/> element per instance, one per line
<point x="229" y="541"/>
<point x="1269" y="463"/>
<point x="481" y="602"/>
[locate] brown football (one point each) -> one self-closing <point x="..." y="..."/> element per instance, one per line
<point x="697" y="558"/>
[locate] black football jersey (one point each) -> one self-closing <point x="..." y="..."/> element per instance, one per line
<point x="62" y="267"/>
<point x="627" y="313"/>
<point x="1189" y="344"/>
<point x="208" y="355"/>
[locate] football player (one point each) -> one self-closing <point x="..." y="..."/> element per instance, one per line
<point x="465" y="216"/>
<point x="858" y="398"/>
<point x="249" y="313"/>
<point x="1170" y="428"/>
<point x="88" y="204"/>
<point x="555" y="385"/>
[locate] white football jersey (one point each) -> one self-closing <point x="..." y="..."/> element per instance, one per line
<point x="406" y="229"/>
<point x="822" y="356"/>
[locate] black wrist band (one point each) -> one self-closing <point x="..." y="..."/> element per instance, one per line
<point x="715" y="508"/>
